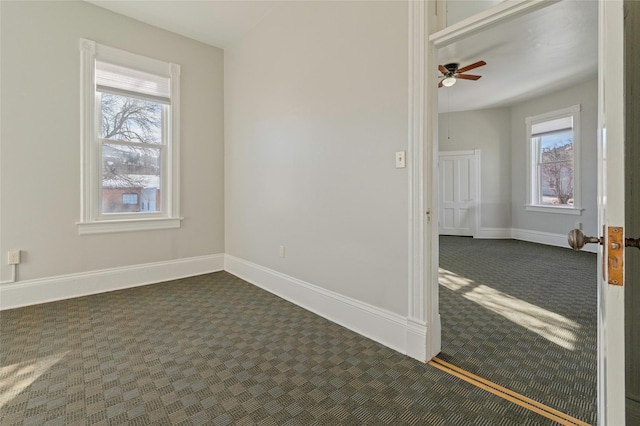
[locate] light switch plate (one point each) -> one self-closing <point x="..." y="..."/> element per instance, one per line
<point x="401" y="162"/>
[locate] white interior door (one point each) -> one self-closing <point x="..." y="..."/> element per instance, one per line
<point x="611" y="198"/>
<point x="458" y="193"/>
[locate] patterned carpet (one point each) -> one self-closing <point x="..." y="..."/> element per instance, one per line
<point x="524" y="316"/>
<point x="214" y="350"/>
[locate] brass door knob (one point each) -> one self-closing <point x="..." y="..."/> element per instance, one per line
<point x="577" y="239"/>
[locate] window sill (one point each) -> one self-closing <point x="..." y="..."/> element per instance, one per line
<point x="549" y="209"/>
<point x="127" y="225"/>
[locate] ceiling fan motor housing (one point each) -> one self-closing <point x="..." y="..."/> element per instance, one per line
<point x="452" y="67"/>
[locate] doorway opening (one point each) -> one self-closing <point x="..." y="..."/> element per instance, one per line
<point x="517" y="308"/>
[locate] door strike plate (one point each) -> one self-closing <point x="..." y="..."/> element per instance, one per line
<point x="615" y="255"/>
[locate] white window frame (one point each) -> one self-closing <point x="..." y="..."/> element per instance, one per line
<point x="533" y="204"/>
<point x="92" y="221"/>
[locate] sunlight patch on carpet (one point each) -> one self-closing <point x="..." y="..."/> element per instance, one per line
<point x="553" y="327"/>
<point x="16" y="378"/>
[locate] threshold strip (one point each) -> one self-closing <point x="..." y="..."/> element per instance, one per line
<point x="509" y="395"/>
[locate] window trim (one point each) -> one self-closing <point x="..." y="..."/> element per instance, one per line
<point x="92" y="221"/>
<point x="533" y="204"/>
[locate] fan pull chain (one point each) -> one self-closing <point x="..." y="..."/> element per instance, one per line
<point x="449" y="116"/>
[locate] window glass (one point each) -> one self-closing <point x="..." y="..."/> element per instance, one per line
<point x="134" y="163"/>
<point x="555" y="168"/>
<point x="129" y="119"/>
<point x="129" y="198"/>
<point x="127" y="169"/>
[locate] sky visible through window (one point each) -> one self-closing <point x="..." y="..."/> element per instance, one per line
<point x="556" y="139"/>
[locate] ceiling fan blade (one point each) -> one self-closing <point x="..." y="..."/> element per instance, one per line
<point x="442" y="69"/>
<point x="440" y="84"/>
<point x="472" y="66"/>
<point x="468" y="76"/>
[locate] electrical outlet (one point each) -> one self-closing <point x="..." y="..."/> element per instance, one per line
<point x="281" y="251"/>
<point x="14" y="257"/>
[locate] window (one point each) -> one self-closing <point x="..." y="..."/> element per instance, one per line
<point x="129" y="198"/>
<point x="130" y="145"/>
<point x="554" y="180"/>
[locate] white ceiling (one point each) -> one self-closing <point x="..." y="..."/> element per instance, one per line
<point x="547" y="50"/>
<point x="216" y="22"/>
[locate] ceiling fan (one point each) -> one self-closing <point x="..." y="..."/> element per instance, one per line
<point x="451" y="72"/>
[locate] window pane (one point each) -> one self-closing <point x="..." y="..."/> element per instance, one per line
<point x="556" y="183"/>
<point x="130" y="119"/>
<point x="130" y="198"/>
<point x="130" y="179"/>
<point x="556" y="146"/>
<point x="556" y="168"/>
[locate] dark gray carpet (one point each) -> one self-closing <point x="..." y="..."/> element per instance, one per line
<point x="215" y="350"/>
<point x="524" y="316"/>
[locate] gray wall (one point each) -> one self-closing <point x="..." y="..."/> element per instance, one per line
<point x="40" y="136"/>
<point x="315" y="107"/>
<point x="490" y="131"/>
<point x="585" y="94"/>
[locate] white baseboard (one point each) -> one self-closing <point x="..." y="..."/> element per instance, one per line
<point x="493" y="233"/>
<point x="558" y="240"/>
<point x="33" y="292"/>
<point x="417" y="343"/>
<point x="375" y="323"/>
<point x="550" y="239"/>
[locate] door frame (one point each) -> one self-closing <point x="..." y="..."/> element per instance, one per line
<point x="611" y="365"/>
